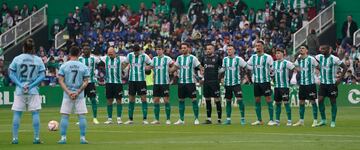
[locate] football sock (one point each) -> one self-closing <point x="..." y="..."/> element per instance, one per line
<point x="109" y="110"/>
<point x="36" y="123"/>
<point x="131" y="110"/>
<point x="241" y="108"/>
<point x="258" y="110"/>
<point x="181" y="109"/>
<point x="333" y="111"/>
<point x="322" y="110"/>
<point x="157" y="111"/>
<point x="302" y="111"/>
<point x="271" y="110"/>
<point x="144" y="107"/>
<point x="208" y="108"/>
<point x="94" y="107"/>
<point x="228" y="108"/>
<point x="278" y="111"/>
<point x="64" y="124"/>
<point x="119" y="108"/>
<point x="288" y="110"/>
<point x="82" y="125"/>
<point x="218" y="109"/>
<point x="195" y="109"/>
<point x="167" y="110"/>
<point x="315" y="110"/>
<point x="16" y="123"/>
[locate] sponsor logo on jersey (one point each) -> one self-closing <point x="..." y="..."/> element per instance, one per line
<point x="159" y="67"/>
<point x="136" y="64"/>
<point x="185" y="67"/>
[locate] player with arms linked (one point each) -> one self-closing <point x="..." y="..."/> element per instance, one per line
<point x="232" y="66"/>
<point x="329" y="65"/>
<point x="260" y="64"/>
<point x="281" y="68"/>
<point x="188" y="65"/>
<point x="113" y="86"/>
<point x="137" y="86"/>
<point x="90" y="90"/>
<point x="161" y="65"/>
<point x="307" y="90"/>
<point x="211" y="86"/>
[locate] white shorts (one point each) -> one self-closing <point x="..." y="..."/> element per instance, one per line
<point x="32" y="101"/>
<point x="77" y="106"/>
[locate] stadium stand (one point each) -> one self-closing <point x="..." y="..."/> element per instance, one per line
<point x="169" y="24"/>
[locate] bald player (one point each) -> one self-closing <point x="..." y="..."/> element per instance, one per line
<point x="113" y="83"/>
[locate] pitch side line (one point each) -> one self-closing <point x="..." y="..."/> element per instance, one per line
<point x="222" y="142"/>
<point x="215" y="133"/>
<point x="236" y="133"/>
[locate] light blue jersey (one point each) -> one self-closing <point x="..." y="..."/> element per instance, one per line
<point x="74" y="73"/>
<point x="27" y="68"/>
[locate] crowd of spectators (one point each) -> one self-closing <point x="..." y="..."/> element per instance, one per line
<point x="12" y="16"/>
<point x="225" y="23"/>
<point x="169" y="24"/>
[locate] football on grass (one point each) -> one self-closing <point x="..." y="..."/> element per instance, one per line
<point x="53" y="125"/>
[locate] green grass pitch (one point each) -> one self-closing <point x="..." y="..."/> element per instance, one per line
<point x="346" y="135"/>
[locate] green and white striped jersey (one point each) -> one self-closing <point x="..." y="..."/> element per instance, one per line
<point x="91" y="63"/>
<point x="187" y="65"/>
<point x="232" y="70"/>
<point x="137" y="66"/>
<point x="281" y="70"/>
<point x="307" y="69"/>
<point x="300" y="3"/>
<point x="328" y="68"/>
<point x="113" y="68"/>
<point x="355" y="55"/>
<point x="260" y="66"/>
<point x="161" y="69"/>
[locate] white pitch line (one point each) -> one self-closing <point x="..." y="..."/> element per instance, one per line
<point x="227" y="133"/>
<point x="309" y="134"/>
<point x="223" y="142"/>
<point x="215" y="133"/>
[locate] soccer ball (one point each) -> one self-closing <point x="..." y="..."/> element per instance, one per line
<point x="53" y="125"/>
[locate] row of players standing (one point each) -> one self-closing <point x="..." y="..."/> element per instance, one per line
<point x="263" y="68"/>
<point x="77" y="76"/>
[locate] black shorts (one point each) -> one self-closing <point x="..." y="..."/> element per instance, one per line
<point x="233" y="90"/>
<point x="137" y="88"/>
<point x="262" y="89"/>
<point x="161" y="90"/>
<point x="114" y="90"/>
<point x="328" y="90"/>
<point x="307" y="92"/>
<point x="281" y="94"/>
<point x="187" y="90"/>
<point x="90" y="90"/>
<point x="211" y="89"/>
